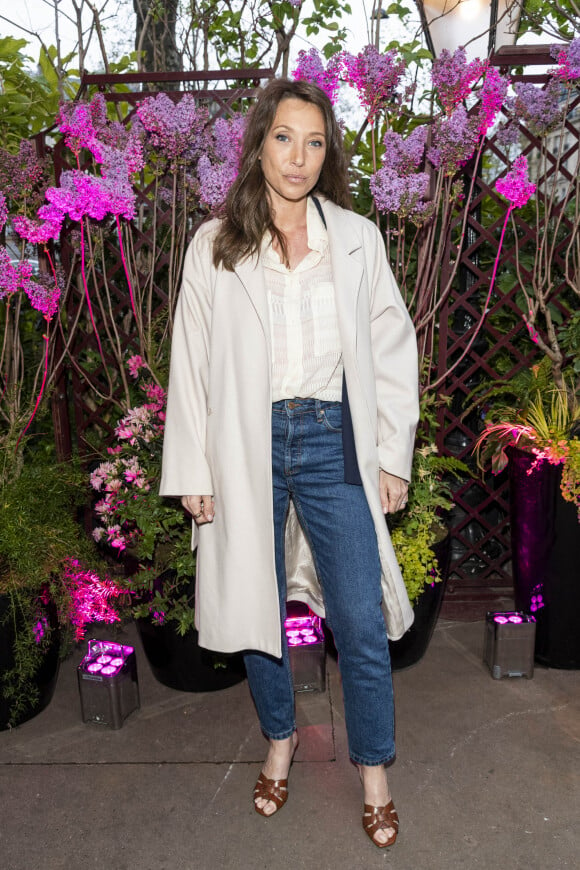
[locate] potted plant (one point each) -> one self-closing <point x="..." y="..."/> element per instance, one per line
<point x="532" y="417"/>
<point x="152" y="536"/>
<point x="535" y="431"/>
<point x="49" y="590"/>
<point x="421" y="539"/>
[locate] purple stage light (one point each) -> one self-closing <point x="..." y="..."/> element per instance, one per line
<point x="509" y="644"/>
<point x="108" y="685"/>
<point x="305" y="639"/>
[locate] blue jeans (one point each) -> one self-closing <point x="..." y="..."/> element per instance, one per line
<point x="308" y="467"/>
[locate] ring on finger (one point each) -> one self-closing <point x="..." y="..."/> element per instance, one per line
<point x="197" y="516"/>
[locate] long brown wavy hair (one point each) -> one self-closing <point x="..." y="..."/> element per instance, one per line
<point x="246" y="214"/>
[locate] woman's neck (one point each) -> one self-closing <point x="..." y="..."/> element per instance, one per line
<point x="290" y="217"/>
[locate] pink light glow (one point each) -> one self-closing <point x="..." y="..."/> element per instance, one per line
<point x="501" y="619"/>
<point x="516" y="619"/>
<point x="99" y="661"/>
<point x="303" y="630"/>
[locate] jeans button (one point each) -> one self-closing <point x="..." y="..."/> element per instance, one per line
<point x="291" y="405"/>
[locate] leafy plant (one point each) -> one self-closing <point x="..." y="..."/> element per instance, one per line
<point x="153" y="534"/>
<point x="545" y="422"/>
<point x="39" y="536"/>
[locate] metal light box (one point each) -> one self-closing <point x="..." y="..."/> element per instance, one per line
<point x="509" y="644"/>
<point x="108" y="686"/>
<point x="307" y="652"/>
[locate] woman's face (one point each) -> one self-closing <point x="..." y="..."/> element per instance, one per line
<point x="294" y="151"/>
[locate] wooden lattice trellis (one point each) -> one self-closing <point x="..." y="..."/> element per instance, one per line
<point x="480" y="573"/>
<point x="95" y="385"/>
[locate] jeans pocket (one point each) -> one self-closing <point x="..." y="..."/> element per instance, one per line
<point x="332" y="419"/>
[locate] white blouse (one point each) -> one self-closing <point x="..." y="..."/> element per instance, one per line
<point x="306" y="349"/>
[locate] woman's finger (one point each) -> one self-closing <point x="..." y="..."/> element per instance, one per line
<point x="201" y="507"/>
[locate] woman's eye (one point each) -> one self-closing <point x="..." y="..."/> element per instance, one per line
<point x="281" y="137"/>
<point x="317" y="143"/>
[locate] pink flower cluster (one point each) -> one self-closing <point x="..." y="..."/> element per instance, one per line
<point x="515" y="185"/>
<point x="568" y="69"/>
<point x="124" y="476"/>
<point x="453" y="77"/>
<point x="491" y="97"/>
<point x="310" y="68"/>
<point x="43" y="293"/>
<point x="118" y="152"/>
<point x="376" y="76"/>
<point x="83" y="124"/>
<point x="91" y="597"/>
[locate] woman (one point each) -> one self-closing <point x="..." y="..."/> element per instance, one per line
<point x="287" y="302"/>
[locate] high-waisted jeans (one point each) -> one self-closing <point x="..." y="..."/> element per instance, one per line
<point x="308" y="467"/>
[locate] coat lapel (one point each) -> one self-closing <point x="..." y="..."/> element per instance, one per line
<point x="347" y="272"/>
<point x="251" y="274"/>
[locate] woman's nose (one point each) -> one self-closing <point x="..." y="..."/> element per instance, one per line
<point x="297" y="156"/>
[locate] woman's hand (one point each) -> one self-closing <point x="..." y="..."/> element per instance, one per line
<point x="393" y="492"/>
<point x="201" y="507"/>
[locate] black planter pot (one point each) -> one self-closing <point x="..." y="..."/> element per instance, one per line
<point x="413" y="645"/>
<point x="46" y="675"/>
<point x="180" y="663"/>
<point x="545" y="534"/>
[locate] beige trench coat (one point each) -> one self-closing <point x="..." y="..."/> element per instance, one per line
<point x="218" y="429"/>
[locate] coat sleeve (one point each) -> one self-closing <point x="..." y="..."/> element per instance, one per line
<point x="394" y="349"/>
<point x="185" y="470"/>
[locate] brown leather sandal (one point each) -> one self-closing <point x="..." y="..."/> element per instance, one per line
<point x="275" y="790"/>
<point x="380" y="818"/>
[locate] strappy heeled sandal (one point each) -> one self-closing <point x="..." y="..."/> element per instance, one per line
<point x="275" y="790"/>
<point x="380" y="818"/>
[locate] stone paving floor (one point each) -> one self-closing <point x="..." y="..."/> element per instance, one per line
<point x="487" y="776"/>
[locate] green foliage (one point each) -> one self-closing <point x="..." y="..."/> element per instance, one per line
<point x="38" y="524"/>
<point x="530" y="412"/>
<point x="415" y="530"/>
<point x="28" y="101"/>
<point x="39" y="531"/>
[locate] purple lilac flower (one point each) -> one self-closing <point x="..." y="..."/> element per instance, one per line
<point x="404" y="155"/>
<point x="455" y="138"/>
<point x="508" y="134"/>
<point x="43" y="292"/>
<point x="538" y="108"/>
<point x="9" y="277"/>
<point x="403" y="195"/>
<point x="40" y="233"/>
<point x="452" y="77"/>
<point x="81" y="124"/>
<point x="80" y="194"/>
<point x="174" y="128"/>
<point x="22" y="176"/>
<point x="515" y="185"/>
<point x="216" y="173"/>
<point x="376" y="76"/>
<point x="568" y="58"/>
<point x="214" y="181"/>
<point x="227" y="136"/>
<point x="310" y="68"/>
